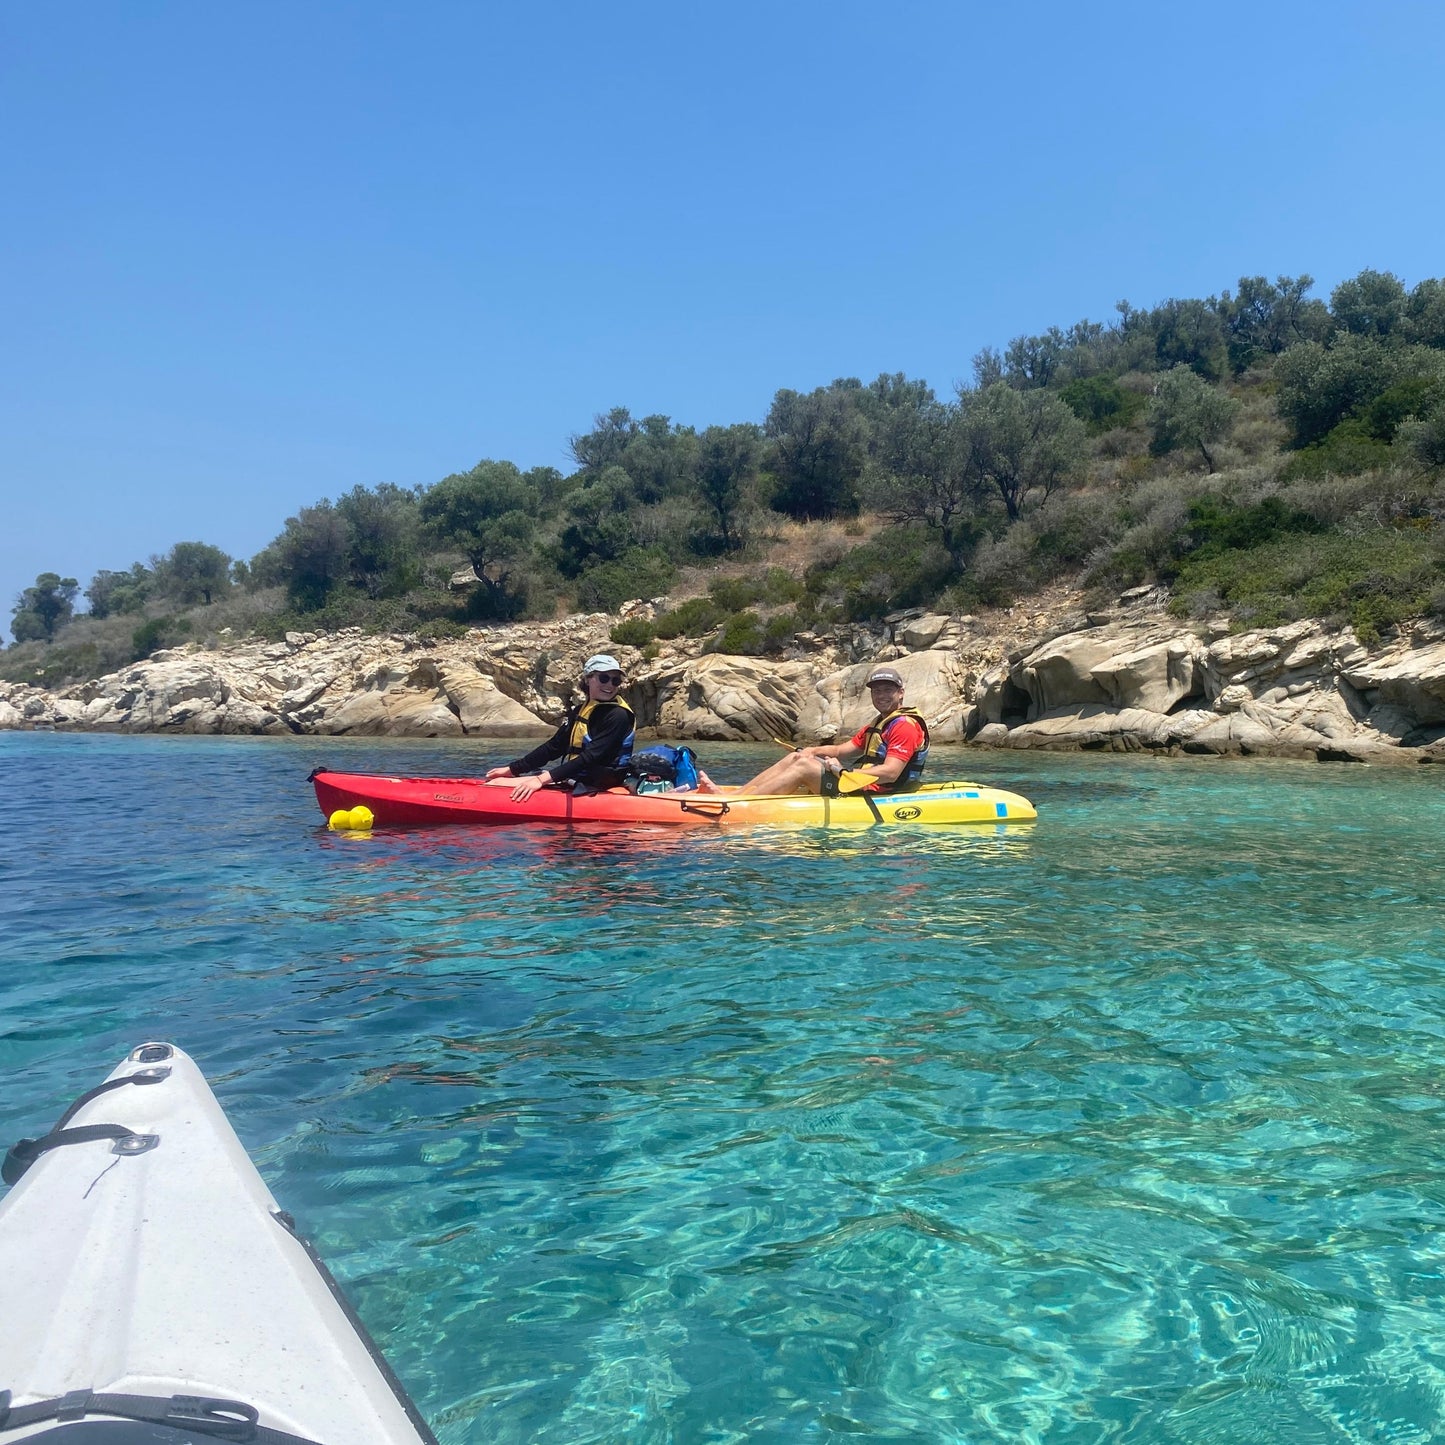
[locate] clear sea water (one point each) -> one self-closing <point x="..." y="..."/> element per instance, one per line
<point x="1126" y="1126"/>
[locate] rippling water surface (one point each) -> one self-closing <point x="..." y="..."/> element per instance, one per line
<point x="1125" y="1126"/>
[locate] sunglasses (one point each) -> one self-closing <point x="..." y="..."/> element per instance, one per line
<point x="615" y="678"/>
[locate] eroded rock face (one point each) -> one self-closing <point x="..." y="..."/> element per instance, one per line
<point x="1156" y="676"/>
<point x="482" y="708"/>
<point x="1405" y="681"/>
<point x="1303" y="690"/>
<point x="724" y="699"/>
<point x="1132" y="680"/>
<point x="933" y="682"/>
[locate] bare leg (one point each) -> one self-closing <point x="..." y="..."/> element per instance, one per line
<point x="796" y="773"/>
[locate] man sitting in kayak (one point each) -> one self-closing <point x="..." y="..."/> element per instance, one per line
<point x="594" y="742"/>
<point x="893" y="747"/>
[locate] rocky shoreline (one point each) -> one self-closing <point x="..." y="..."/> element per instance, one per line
<point x="1129" y="679"/>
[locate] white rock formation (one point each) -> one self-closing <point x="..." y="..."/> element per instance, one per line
<point x="1134" y="679"/>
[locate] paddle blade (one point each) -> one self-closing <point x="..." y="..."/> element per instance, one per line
<point x="854" y="780"/>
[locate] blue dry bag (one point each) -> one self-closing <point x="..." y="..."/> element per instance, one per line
<point x="662" y="767"/>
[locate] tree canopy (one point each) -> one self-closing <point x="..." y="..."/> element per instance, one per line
<point x="1075" y="446"/>
<point x="489" y="512"/>
<point x="44" y="608"/>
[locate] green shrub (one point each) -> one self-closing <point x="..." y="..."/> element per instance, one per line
<point x="442" y="629"/>
<point x="639" y="572"/>
<point x="733" y="594"/>
<point x="900" y="567"/>
<point x="1347" y="451"/>
<point x="772" y="588"/>
<point x="158" y="633"/>
<point x="741" y="635"/>
<point x="1423" y="437"/>
<point x="779" y="586"/>
<point x="1002" y="567"/>
<point x="54" y="665"/>
<point x="781" y="628"/>
<point x="1101" y="403"/>
<point x="634" y="632"/>
<point x="1216" y="526"/>
<point x="1414" y="396"/>
<point x="1072" y="529"/>
<point x="346" y="608"/>
<point x="1372" y="581"/>
<point x="693" y="618"/>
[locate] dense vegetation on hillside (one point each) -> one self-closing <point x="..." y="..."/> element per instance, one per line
<point x="1263" y="453"/>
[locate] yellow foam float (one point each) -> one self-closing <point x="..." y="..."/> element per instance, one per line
<point x="351" y="820"/>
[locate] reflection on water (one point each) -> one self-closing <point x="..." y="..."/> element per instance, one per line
<point x="1118" y="1126"/>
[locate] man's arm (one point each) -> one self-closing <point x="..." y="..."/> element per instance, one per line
<point x="905" y="738"/>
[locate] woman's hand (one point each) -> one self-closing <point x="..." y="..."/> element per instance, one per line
<point x="529" y="785"/>
<point x="504" y="772"/>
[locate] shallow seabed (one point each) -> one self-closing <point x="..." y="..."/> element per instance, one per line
<point x="1125" y="1126"/>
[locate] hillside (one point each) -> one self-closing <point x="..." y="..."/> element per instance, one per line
<point x="1262" y="454"/>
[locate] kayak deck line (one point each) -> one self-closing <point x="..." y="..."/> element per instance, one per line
<point x="163" y="1285"/>
<point x="389" y="801"/>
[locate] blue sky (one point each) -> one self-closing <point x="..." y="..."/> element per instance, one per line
<point x="254" y="255"/>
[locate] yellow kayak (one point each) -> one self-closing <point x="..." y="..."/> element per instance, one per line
<point x="934" y="803"/>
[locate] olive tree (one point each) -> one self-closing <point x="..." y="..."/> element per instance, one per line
<point x="1370" y="304"/>
<point x="40" y="611"/>
<point x="727" y="472"/>
<point x="489" y="512"/>
<point x="1186" y="411"/>
<point x="308" y="559"/>
<point x="1264" y="318"/>
<point x="192" y="572"/>
<point x="930" y="473"/>
<point x="1021" y="443"/>
<point x="819" y="448"/>
<point x="119" y="592"/>
<point x="383" y="525"/>
<point x="1319" y="386"/>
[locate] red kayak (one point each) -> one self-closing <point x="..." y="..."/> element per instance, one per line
<point x="410" y="802"/>
<point x="407" y="802"/>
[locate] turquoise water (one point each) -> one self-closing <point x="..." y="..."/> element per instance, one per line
<point x="1122" y="1127"/>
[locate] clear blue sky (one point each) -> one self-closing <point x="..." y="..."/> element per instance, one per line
<point x="255" y="254"/>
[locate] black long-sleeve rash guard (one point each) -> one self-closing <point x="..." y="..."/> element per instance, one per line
<point x="608" y="726"/>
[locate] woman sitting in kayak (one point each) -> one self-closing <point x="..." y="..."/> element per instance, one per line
<point x="594" y="742"/>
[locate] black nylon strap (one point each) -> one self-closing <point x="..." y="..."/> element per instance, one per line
<point x="144" y="1076"/>
<point x="220" y="1419"/>
<point x="23" y="1154"/>
<point x="706" y="810"/>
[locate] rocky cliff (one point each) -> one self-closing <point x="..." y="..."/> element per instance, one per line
<point x="1127" y="679"/>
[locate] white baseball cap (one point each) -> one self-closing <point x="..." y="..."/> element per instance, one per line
<point x="600" y="662"/>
